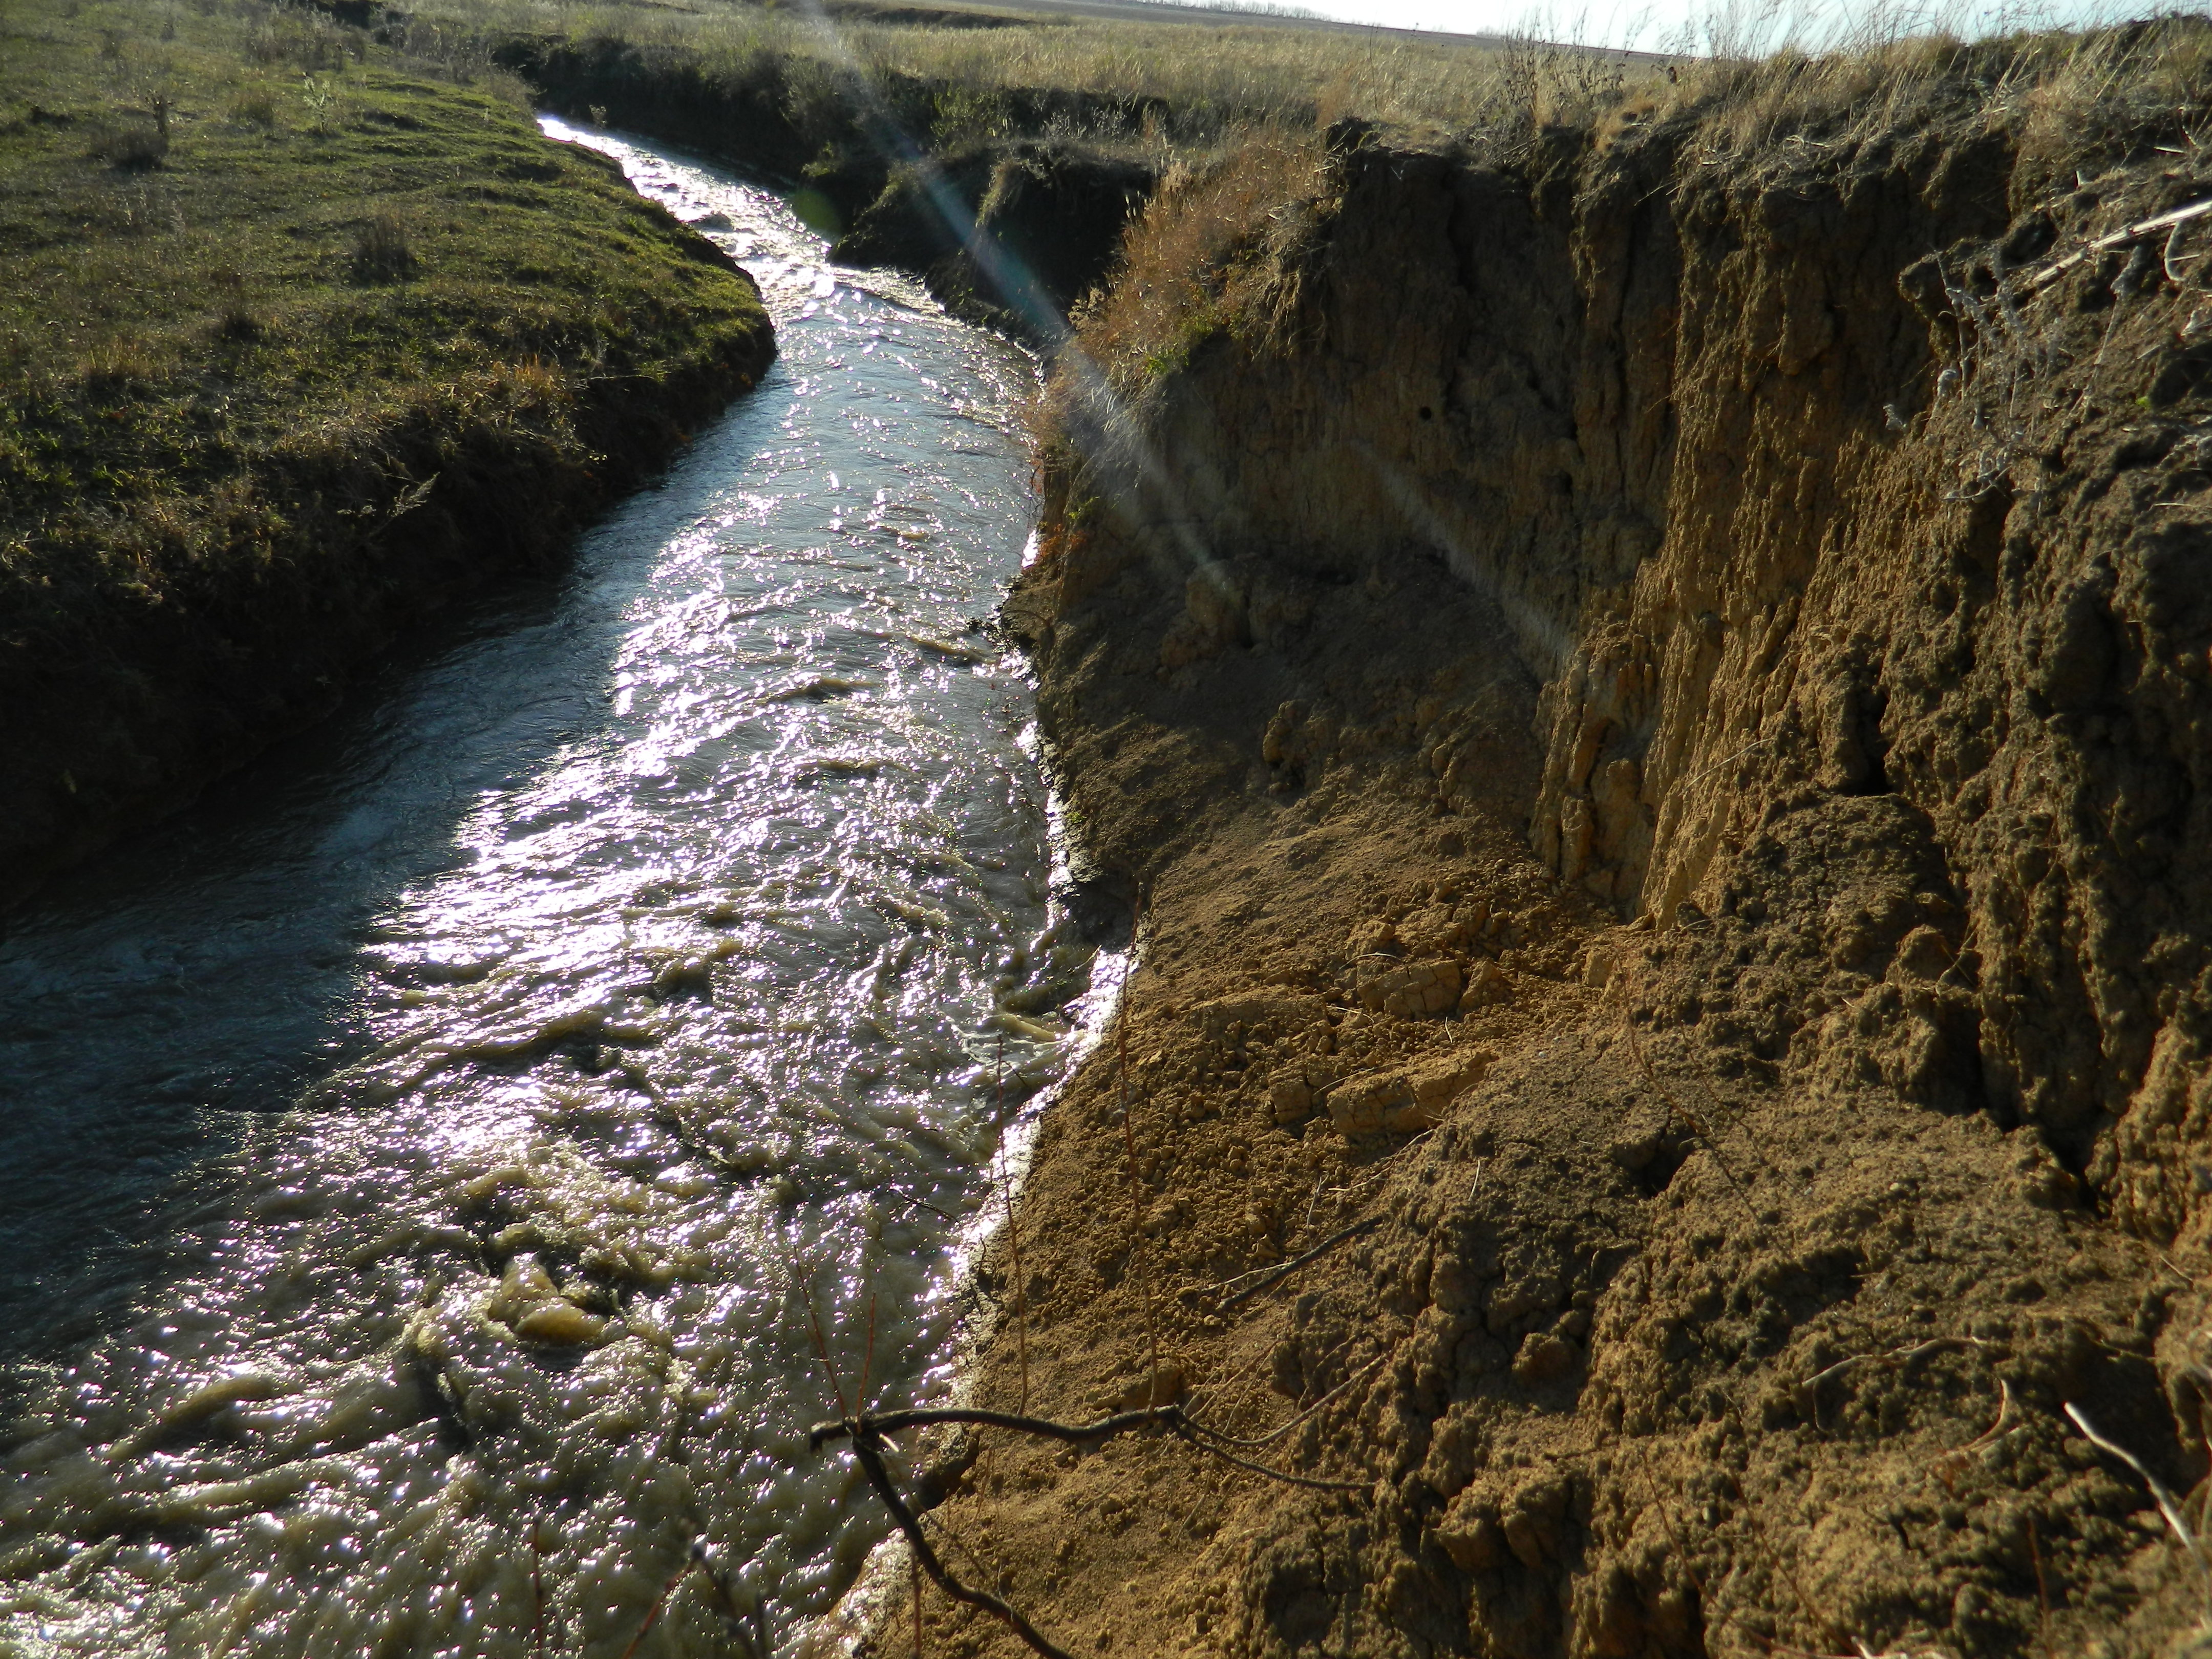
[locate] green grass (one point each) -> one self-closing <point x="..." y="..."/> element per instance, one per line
<point x="298" y="335"/>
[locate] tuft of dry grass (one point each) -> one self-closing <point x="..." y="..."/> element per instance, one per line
<point x="1215" y="250"/>
<point x="381" y="251"/>
<point x="2068" y="99"/>
<point x="1219" y="248"/>
<point x="135" y="146"/>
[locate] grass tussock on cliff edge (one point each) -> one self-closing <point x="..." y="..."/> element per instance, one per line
<point x="1215" y="248"/>
<point x="333" y="335"/>
<point x="984" y="74"/>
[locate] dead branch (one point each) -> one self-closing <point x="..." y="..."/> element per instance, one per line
<point x="2168" y="1505"/>
<point x="867" y="1448"/>
<point x="881" y="1424"/>
<point x="1191" y="1434"/>
<point x="2121" y="238"/>
<point x="870" y="1432"/>
<point x="1808" y="1391"/>
<point x="1277" y="1432"/>
<point x="1172" y="1419"/>
<point x="1281" y="1271"/>
<point x="1676" y="1110"/>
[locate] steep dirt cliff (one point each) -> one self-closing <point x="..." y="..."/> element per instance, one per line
<point x="1651" y="686"/>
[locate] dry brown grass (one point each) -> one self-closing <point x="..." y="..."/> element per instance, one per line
<point x="1217" y="249"/>
<point x="1167" y="82"/>
<point x="2063" y="95"/>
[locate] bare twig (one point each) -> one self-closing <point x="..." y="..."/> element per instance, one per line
<point x="653" y="1613"/>
<point x="1283" y="1475"/>
<point x="1285" y="1269"/>
<point x="1808" y="1391"/>
<point x="868" y="1354"/>
<point x="1989" y="1434"/>
<point x="821" y="1352"/>
<point x="2168" y="1505"/>
<point x="2118" y="239"/>
<point x="1677" y="1110"/>
<point x="1705" y="1601"/>
<point x="1312" y="1204"/>
<point x="1277" y="1432"/>
<point x="1075" y="1434"/>
<point x="1172" y="1419"/>
<point x="867" y="1449"/>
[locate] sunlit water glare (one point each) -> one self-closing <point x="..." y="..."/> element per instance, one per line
<point x="419" y="1163"/>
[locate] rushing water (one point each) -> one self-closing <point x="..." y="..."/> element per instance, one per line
<point x="422" y="1168"/>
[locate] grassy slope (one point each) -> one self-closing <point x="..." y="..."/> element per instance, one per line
<point x="951" y="74"/>
<point x="236" y="456"/>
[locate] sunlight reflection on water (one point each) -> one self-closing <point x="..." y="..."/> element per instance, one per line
<point x="618" y="989"/>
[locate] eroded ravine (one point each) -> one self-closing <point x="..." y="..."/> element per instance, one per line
<point x="426" y="1162"/>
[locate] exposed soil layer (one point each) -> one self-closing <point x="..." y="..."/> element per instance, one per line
<point x="1658" y="723"/>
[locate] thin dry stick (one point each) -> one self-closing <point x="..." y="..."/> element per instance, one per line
<point x="1013" y="1230"/>
<point x="821" y="1352"/>
<point x="2167" y="1506"/>
<point x="2121" y="238"/>
<point x="1277" y="1432"/>
<point x="1696" y="1583"/>
<point x="1730" y="1117"/>
<point x="1312" y="1204"/>
<point x="1173" y="1418"/>
<point x="1136" y="1207"/>
<point x="1667" y="1526"/>
<point x="1807" y="1396"/>
<point x="1675" y="1106"/>
<point x="883" y="1424"/>
<point x="1220" y="1386"/>
<point x="659" y="1602"/>
<point x="867" y="1449"/>
<point x="1786" y="1567"/>
<point x="1283" y="1475"/>
<point x="868" y="1353"/>
<point x="1283" y="1270"/>
<point x="1733" y="1117"/>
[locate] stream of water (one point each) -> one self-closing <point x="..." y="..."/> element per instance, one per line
<point x="423" y="1166"/>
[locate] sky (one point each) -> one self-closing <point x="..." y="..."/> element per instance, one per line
<point x="1657" y="25"/>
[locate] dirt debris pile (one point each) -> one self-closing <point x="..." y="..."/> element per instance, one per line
<point x="1655" y="705"/>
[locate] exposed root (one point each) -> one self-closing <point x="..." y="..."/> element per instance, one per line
<point x="870" y="1433"/>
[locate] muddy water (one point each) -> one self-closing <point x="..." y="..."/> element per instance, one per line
<point x="423" y="1169"/>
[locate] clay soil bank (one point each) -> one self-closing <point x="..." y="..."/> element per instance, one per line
<point x="1649" y="685"/>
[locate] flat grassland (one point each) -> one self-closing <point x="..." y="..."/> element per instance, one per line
<point x="948" y="75"/>
<point x="299" y="334"/>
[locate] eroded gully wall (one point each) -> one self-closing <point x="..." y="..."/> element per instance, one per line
<point x="1775" y="526"/>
